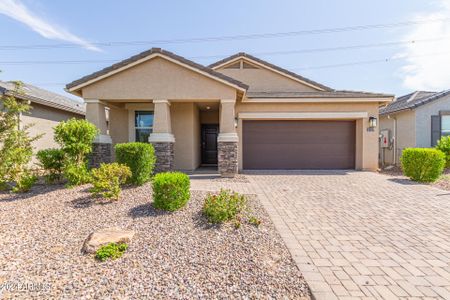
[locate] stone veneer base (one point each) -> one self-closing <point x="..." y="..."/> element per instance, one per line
<point x="164" y="156"/>
<point x="227" y="158"/>
<point x="101" y="153"/>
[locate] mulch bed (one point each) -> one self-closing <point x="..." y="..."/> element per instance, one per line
<point x="173" y="255"/>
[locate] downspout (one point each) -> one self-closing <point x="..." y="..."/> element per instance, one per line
<point x="395" y="141"/>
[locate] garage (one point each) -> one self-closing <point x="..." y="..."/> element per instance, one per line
<point x="285" y="145"/>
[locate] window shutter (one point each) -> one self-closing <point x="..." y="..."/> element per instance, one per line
<point x="435" y="129"/>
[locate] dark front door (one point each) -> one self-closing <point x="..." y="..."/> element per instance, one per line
<point x="209" y="143"/>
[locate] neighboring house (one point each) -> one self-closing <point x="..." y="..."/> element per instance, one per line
<point x="238" y="113"/>
<point x="418" y="119"/>
<point x="48" y="109"/>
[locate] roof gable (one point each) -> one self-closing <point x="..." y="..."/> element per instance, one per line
<point x="252" y="60"/>
<point x="76" y="85"/>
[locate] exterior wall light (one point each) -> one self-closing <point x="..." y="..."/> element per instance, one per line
<point x="235" y="122"/>
<point x="372" y="122"/>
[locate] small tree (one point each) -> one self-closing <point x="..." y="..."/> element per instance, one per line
<point x="75" y="137"/>
<point x="15" y="142"/>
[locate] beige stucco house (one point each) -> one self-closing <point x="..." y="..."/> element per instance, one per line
<point x="47" y="110"/>
<point x="418" y="119"/>
<point x="238" y="113"/>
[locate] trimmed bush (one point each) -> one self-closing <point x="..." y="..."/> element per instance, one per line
<point x="444" y="146"/>
<point x="422" y="164"/>
<point x="76" y="175"/>
<point x="225" y="206"/>
<point x="170" y="190"/>
<point x="139" y="157"/>
<point x="52" y="161"/>
<point x="107" y="179"/>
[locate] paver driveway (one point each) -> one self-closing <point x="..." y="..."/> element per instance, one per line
<point x="358" y="234"/>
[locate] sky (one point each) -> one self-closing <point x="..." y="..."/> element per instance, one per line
<point x="413" y="54"/>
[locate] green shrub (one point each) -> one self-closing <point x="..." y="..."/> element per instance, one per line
<point x="444" y="146"/>
<point x="224" y="206"/>
<point x="108" y="178"/>
<point x="76" y="175"/>
<point x="76" y="137"/>
<point x="422" y="164"/>
<point x="139" y="157"/>
<point x="111" y="250"/>
<point x="170" y="190"/>
<point x="25" y="183"/>
<point x="51" y="160"/>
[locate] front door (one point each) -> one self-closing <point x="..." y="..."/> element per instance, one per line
<point x="209" y="143"/>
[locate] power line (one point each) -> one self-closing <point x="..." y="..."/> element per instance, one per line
<point x="366" y="62"/>
<point x="311" y="50"/>
<point x="227" y="38"/>
<point x="348" y="64"/>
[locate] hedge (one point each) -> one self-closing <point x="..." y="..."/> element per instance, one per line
<point x="139" y="157"/>
<point x="422" y="164"/>
<point x="170" y="190"/>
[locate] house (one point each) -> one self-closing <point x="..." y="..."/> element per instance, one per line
<point x="238" y="113"/>
<point x="418" y="119"/>
<point x="48" y="109"/>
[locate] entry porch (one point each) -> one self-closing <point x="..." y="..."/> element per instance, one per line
<point x="185" y="134"/>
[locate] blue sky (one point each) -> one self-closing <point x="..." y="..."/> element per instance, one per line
<point x="45" y="22"/>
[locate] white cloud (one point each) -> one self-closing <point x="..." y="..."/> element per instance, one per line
<point x="423" y="71"/>
<point x="15" y="9"/>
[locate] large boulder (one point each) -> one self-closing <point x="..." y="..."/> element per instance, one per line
<point x="105" y="236"/>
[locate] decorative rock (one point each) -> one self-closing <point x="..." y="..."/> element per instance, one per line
<point x="105" y="236"/>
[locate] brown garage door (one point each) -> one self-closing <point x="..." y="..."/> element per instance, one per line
<point x="298" y="145"/>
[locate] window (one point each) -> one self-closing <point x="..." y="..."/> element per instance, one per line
<point x="445" y="125"/>
<point x="143" y="123"/>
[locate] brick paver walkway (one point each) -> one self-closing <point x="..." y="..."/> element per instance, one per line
<point x="358" y="235"/>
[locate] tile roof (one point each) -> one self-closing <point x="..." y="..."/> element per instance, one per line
<point x="412" y="101"/>
<point x="330" y="94"/>
<point x="269" y="65"/>
<point x="144" y="54"/>
<point x="43" y="97"/>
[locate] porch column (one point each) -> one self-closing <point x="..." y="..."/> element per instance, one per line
<point x="102" y="145"/>
<point x="161" y="137"/>
<point x="227" y="141"/>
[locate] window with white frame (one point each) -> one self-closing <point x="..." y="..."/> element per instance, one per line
<point x="143" y="124"/>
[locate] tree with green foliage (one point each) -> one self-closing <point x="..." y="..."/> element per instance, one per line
<point x="16" y="148"/>
<point x="75" y="136"/>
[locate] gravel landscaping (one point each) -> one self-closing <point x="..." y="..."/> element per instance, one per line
<point x="442" y="183"/>
<point x="173" y="255"/>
